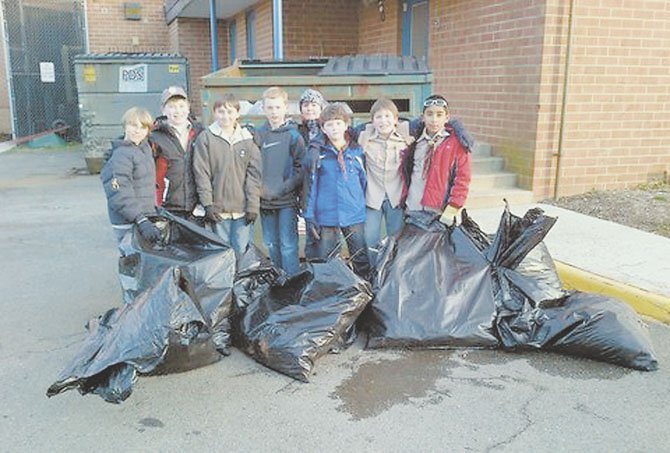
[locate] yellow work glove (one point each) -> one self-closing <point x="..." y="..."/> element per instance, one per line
<point x="451" y="216"/>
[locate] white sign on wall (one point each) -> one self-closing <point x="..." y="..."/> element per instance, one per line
<point x="133" y="79"/>
<point x="47" y="72"/>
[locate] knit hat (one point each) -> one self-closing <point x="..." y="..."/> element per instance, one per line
<point x="310" y="95"/>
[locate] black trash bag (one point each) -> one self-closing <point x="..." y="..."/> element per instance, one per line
<point x="593" y="326"/>
<point x="521" y="303"/>
<point x="432" y="289"/>
<point x="136" y="338"/>
<point x="548" y="317"/>
<point x="201" y="253"/>
<point x="287" y="324"/>
<point x="522" y="272"/>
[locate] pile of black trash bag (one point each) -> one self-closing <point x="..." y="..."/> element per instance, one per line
<point x="185" y="299"/>
<point x="188" y="301"/>
<point x="450" y="287"/>
<point x="286" y="324"/>
<point x="178" y="302"/>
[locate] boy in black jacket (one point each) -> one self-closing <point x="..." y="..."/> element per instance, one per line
<point x="172" y="141"/>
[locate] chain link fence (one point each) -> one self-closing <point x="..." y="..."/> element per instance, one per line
<point x="41" y="38"/>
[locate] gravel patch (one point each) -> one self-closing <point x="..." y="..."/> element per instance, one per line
<point x="646" y="207"/>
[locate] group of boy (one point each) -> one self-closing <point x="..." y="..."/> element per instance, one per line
<point x="340" y="179"/>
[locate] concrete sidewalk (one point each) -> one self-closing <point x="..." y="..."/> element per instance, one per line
<point x="626" y="259"/>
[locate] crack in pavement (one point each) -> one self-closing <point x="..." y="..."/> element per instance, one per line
<point x="583" y="408"/>
<point x="528" y="423"/>
<point x="45" y="351"/>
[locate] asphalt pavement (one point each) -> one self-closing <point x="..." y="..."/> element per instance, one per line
<point x="59" y="270"/>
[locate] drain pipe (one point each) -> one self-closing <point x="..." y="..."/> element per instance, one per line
<point x="278" y="29"/>
<point x="564" y="101"/>
<point x="213" y="35"/>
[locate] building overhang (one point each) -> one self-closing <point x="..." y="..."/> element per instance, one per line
<point x="200" y="8"/>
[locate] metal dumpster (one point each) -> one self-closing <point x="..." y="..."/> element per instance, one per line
<point x="357" y="80"/>
<point x="108" y="84"/>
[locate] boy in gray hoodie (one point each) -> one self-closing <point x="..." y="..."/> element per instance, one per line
<point x="227" y="170"/>
<point x="282" y="149"/>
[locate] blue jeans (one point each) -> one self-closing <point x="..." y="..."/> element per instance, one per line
<point x="394" y="218"/>
<point x="355" y="237"/>
<point x="280" y="235"/>
<point x="120" y="232"/>
<point x="311" y="243"/>
<point x="235" y="233"/>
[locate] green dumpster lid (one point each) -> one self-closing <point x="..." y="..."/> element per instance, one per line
<point x="116" y="56"/>
<point x="374" y="65"/>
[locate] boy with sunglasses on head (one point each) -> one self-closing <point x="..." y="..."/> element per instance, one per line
<point x="437" y="168"/>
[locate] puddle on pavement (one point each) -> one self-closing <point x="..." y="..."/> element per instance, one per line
<point x="552" y="364"/>
<point x="377" y="386"/>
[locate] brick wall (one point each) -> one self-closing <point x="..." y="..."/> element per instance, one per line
<point x="485" y="58"/>
<point x="241" y="36"/>
<point x="314" y="28"/>
<point x="264" y="44"/>
<point x="109" y="31"/>
<point x="190" y="37"/>
<point x="377" y="37"/>
<point x="264" y="41"/>
<point x="617" y="125"/>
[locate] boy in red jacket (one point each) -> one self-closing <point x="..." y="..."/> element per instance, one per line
<point x="436" y="168"/>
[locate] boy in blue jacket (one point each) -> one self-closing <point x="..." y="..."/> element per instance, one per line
<point x="128" y="178"/>
<point x="337" y="194"/>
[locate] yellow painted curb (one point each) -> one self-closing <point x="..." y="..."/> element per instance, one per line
<point x="644" y="302"/>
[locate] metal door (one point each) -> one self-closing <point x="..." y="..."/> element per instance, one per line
<point x="42" y="37"/>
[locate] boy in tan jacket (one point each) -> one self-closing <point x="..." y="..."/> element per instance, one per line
<point x="383" y="141"/>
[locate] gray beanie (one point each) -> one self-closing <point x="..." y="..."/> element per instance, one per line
<point x="310" y="95"/>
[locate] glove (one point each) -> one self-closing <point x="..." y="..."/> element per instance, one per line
<point x="315" y="230"/>
<point x="250" y="217"/>
<point x="149" y="231"/>
<point x="210" y="215"/>
<point x="451" y="216"/>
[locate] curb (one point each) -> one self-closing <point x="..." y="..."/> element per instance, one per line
<point x="7" y="146"/>
<point x="643" y="302"/>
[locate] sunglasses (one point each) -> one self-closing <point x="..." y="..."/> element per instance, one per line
<point x="435" y="102"/>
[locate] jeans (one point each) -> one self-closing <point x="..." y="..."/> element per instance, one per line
<point x="280" y="235"/>
<point x="120" y="232"/>
<point x="355" y="237"/>
<point x="311" y="243"/>
<point x="236" y="233"/>
<point x="394" y="218"/>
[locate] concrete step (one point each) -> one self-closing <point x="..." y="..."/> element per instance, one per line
<point x="487" y="164"/>
<point x="498" y="180"/>
<point x="490" y="198"/>
<point x="481" y="149"/>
